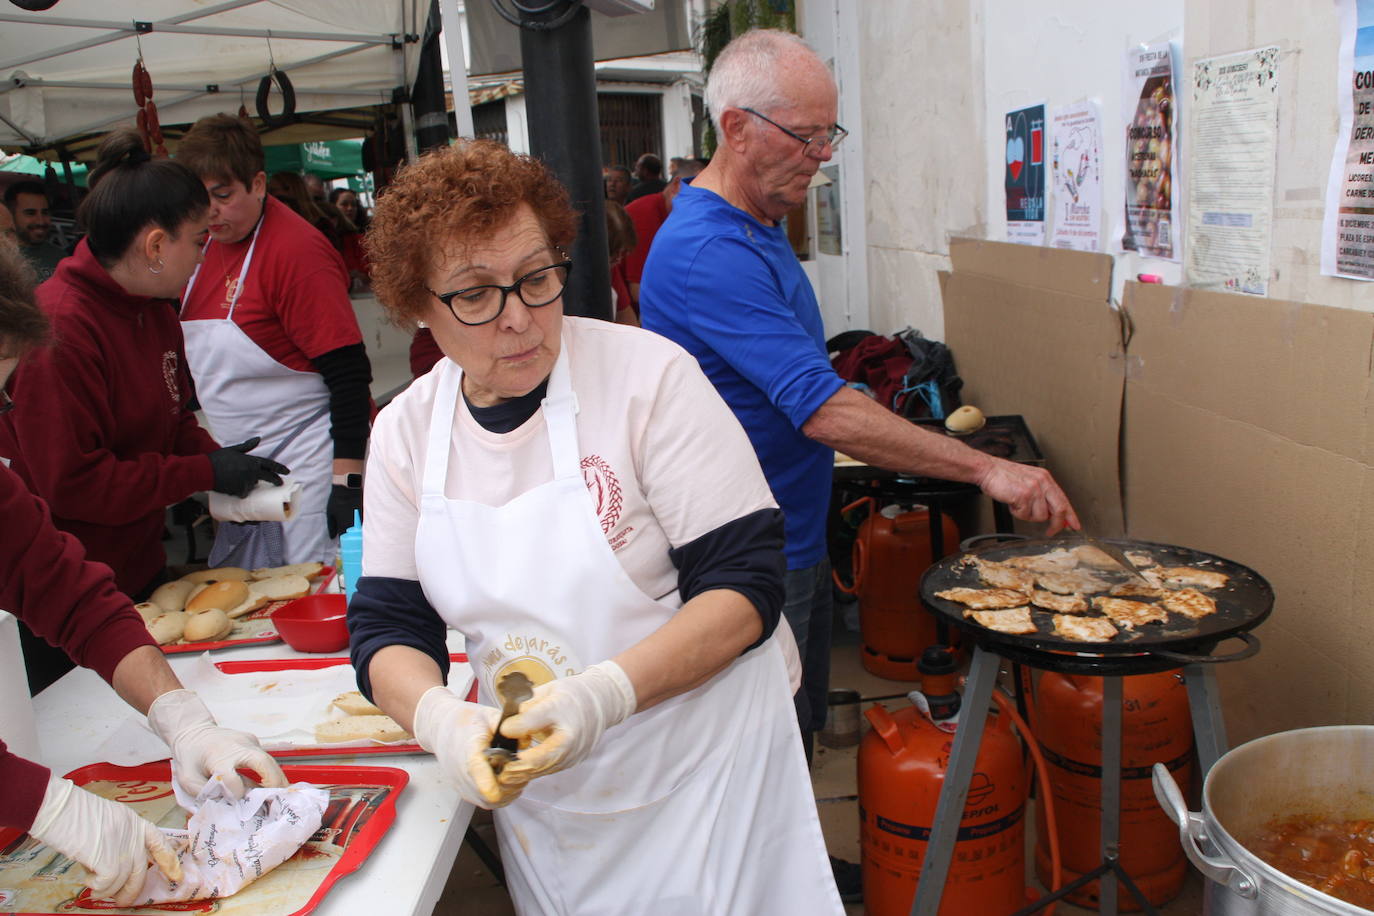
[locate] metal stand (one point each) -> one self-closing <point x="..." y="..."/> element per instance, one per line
<point x="1209" y="734"/>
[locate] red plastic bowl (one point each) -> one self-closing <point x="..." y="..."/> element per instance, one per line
<point x="315" y="623"/>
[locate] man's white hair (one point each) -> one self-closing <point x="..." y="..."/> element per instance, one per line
<point x="747" y="74"/>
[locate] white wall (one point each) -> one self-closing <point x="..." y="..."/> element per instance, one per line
<point x="1075" y="51"/>
<point x="921" y="81"/>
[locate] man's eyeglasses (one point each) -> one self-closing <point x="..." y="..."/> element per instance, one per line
<point x="811" y="146"/>
<point x="476" y="305"/>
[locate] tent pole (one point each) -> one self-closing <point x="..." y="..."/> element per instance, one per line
<point x="565" y="132"/>
<point x="457" y="67"/>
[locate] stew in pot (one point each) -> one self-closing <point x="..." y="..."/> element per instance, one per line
<point x="1335" y="857"/>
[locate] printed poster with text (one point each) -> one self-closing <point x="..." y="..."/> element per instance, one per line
<point x="1348" y="226"/>
<point x="1025" y="175"/>
<point x="1235" y="125"/>
<point x="1150" y="107"/>
<point x="1076" y="132"/>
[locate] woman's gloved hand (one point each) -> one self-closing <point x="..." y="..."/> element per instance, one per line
<point x="202" y="749"/>
<point x="237" y="472"/>
<point x="457" y="732"/>
<point x="109" y="839"/>
<point x="567" y="718"/>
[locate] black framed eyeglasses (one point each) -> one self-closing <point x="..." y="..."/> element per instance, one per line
<point x="811" y="146"/>
<point x="476" y="305"/>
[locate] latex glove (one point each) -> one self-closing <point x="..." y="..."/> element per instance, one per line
<point x="567" y="718"/>
<point x="343" y="501"/>
<point x="457" y="732"/>
<point x="202" y="749"/>
<point x="237" y="472"/>
<point x="109" y="839"/>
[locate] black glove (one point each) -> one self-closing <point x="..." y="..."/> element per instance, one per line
<point x="237" y="472"/>
<point x="343" y="502"/>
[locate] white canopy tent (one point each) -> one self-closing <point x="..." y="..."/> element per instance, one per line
<point x="65" y="73"/>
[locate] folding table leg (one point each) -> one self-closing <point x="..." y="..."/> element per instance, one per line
<point x="944" y="832"/>
<point x="1209" y="729"/>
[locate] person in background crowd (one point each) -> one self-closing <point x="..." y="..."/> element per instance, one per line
<point x="620" y="240"/>
<point x="349" y="205"/>
<point x="27" y="202"/>
<point x="648" y="214"/>
<point x="648" y="177"/>
<point x="290" y="188"/>
<point x="675" y="167"/>
<point x="7" y="234"/>
<point x="101" y="427"/>
<point x="722" y="280"/>
<point x="350" y="240"/>
<point x="273" y="342"/>
<point x="47" y="582"/>
<point x="314" y="186"/>
<point x="577" y="483"/>
<point x="617" y="181"/>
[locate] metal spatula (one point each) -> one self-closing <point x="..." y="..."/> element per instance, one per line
<point x="1115" y="553"/>
<point x="514" y="689"/>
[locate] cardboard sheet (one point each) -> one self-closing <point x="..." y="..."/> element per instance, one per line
<point x="1033" y="334"/>
<point x="1246" y="435"/>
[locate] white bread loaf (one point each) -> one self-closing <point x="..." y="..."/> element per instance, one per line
<point x="219" y="574"/>
<point x="360" y="728"/>
<point x="280" y="588"/>
<point x="168" y="628"/>
<point x="172" y="596"/>
<point x="221" y="596"/>
<point x="210" y="626"/>
<point x="354" y="703"/>
<point x="309" y="570"/>
<point x="148" y="611"/>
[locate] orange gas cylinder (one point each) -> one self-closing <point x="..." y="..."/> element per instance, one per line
<point x="902" y="763"/>
<point x="1155" y="726"/>
<point x="891" y="553"/>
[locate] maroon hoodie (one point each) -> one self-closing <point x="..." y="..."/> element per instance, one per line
<point x="47" y="583"/>
<point x="100" y="428"/>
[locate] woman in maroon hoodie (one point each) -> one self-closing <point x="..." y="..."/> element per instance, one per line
<point x="101" y="429"/>
<point x="46" y="581"/>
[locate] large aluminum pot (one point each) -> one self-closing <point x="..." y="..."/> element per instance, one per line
<point x="1320" y="771"/>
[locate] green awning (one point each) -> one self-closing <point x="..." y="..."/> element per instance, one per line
<point x="28" y="165"/>
<point x="325" y="158"/>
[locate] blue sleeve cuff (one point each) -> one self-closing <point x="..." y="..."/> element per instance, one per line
<point x="392" y="612"/>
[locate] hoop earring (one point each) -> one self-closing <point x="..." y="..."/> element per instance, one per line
<point x="158" y="269"/>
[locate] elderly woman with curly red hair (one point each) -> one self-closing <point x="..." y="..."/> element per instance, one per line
<point x="575" y="499"/>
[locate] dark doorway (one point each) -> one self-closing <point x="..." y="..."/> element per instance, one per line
<point x="631" y="125"/>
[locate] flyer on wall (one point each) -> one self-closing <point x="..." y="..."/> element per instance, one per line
<point x="1348" y="225"/>
<point x="1150" y="108"/>
<point x="1025" y="175"/>
<point x="1076" y="132"/>
<point x="1234" y="120"/>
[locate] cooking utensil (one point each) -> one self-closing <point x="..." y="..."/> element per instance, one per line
<point x="514" y="689"/>
<point x="1114" y="553"/>
<point x="1242" y="604"/>
<point x="1271" y="777"/>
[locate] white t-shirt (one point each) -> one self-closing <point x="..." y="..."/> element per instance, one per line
<point x="663" y="456"/>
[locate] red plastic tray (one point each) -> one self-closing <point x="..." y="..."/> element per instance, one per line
<point x="262" y="613"/>
<point x="361" y="809"/>
<point x="249" y="665"/>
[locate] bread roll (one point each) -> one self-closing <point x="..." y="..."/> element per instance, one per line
<point x="172" y="596"/>
<point x="281" y="588"/>
<point x="208" y="627"/>
<point x="223" y="596"/>
<point x="354" y="703"/>
<point x="249" y="605"/>
<point x="147" y="610"/>
<point x="360" y="728"/>
<point x="309" y="570"/>
<point x="168" y="628"/>
<point x="219" y="574"/>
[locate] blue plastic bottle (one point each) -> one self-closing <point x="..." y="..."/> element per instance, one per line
<point x="351" y="554"/>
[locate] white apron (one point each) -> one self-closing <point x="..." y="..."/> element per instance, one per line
<point x="245" y="392"/>
<point x="699" y="806"/>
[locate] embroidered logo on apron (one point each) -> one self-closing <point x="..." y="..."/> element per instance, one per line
<point x="533" y="656"/>
<point x="169" y="377"/>
<point x="608" y="497"/>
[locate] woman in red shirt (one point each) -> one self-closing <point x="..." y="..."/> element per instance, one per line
<point x="47" y="582"/>
<point x="101" y="430"/>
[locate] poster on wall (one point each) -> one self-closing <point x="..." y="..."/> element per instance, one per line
<point x="1150" y="107"/>
<point x="1025" y="175"/>
<point x="1076" y="132"/>
<point x="1234" y="129"/>
<point x="1348" y="225"/>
